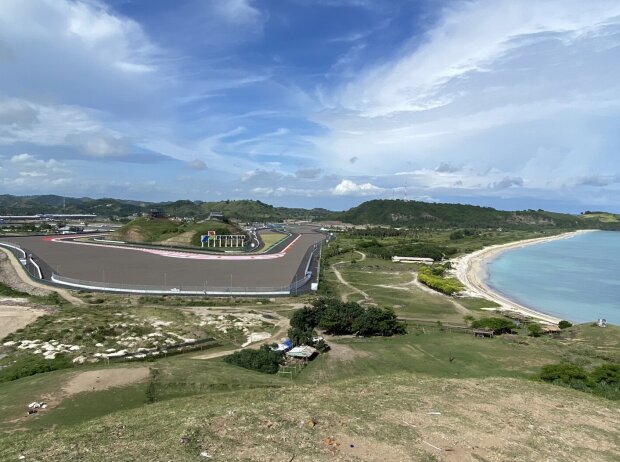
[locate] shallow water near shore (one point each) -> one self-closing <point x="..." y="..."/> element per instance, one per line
<point x="577" y="278"/>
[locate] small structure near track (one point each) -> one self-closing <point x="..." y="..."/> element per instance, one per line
<point x="484" y="333"/>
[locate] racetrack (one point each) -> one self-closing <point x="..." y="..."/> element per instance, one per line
<point x="118" y="265"/>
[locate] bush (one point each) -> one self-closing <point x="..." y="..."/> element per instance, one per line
<point x="262" y="360"/>
<point x="534" y="329"/>
<point x="565" y="324"/>
<point x="604" y="380"/>
<point x="322" y="346"/>
<point x="31" y="364"/>
<point x="606" y="374"/>
<point x="563" y="373"/>
<point x="497" y="325"/>
<point x="448" y="286"/>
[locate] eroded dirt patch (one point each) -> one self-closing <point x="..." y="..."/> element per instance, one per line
<point x="104" y="379"/>
<point x="16" y="316"/>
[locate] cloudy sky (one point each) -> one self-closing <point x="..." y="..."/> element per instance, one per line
<point x="508" y="103"/>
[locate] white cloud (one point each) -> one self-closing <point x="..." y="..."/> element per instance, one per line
<point x="350" y="188"/>
<point x="495" y="86"/>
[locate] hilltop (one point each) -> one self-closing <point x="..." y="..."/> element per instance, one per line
<point x="397" y="213"/>
<point x="402" y="213"/>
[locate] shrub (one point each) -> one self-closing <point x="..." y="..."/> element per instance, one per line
<point x="448" y="286"/>
<point x="322" y="346"/>
<point x="534" y="329"/>
<point x="607" y="374"/>
<point x="497" y="325"/>
<point x="28" y="365"/>
<point x="565" y="324"/>
<point x="262" y="360"/>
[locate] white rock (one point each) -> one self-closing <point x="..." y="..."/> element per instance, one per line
<point x="79" y="360"/>
<point x="99" y="345"/>
<point x="8" y="344"/>
<point x="74" y="348"/>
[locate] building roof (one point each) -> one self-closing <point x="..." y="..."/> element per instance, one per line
<point x="303" y="351"/>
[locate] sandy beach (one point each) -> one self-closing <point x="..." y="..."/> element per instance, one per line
<point x="471" y="271"/>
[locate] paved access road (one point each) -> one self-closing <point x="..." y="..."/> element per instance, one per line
<point x="125" y="265"/>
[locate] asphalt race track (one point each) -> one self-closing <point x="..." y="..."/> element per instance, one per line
<point x="177" y="269"/>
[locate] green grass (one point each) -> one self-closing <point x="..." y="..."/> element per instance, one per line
<point x="476" y="303"/>
<point x="271" y="239"/>
<point x="427" y="350"/>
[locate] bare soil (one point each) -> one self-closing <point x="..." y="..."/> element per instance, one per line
<point x="16" y="316"/>
<point x="104" y="379"/>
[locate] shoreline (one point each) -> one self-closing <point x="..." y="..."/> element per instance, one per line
<point x="471" y="271"/>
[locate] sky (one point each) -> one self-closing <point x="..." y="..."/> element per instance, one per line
<point x="513" y="104"/>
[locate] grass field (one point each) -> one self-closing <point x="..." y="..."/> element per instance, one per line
<point x="271" y="239"/>
<point x="374" y="394"/>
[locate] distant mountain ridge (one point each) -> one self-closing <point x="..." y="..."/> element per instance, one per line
<point x="397" y="213"/>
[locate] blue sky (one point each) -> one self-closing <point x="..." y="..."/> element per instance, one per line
<point x="326" y="103"/>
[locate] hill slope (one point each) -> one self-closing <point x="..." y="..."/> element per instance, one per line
<point x="397" y="418"/>
<point x="431" y="215"/>
<point x="164" y="231"/>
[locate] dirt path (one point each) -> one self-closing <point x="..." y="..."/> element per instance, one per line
<point x="282" y="324"/>
<point x="457" y="306"/>
<point x="347" y="284"/>
<point x="21" y="274"/>
<point x="14" y="317"/>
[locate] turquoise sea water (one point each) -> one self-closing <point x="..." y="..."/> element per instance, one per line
<point x="576" y="278"/>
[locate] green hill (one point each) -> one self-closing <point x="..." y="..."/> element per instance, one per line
<point x="165" y="231"/>
<point x="398" y="213"/>
<point x="402" y="213"/>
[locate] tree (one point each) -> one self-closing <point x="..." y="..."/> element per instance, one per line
<point x="565" y="324"/>
<point x="305" y="318"/>
<point x="535" y="329"/>
<point x="301" y="337"/>
<point x="378" y="321"/>
<point x="338" y="318"/>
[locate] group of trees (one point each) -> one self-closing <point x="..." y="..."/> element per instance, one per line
<point x="262" y="360"/>
<point x="432" y="276"/>
<point x="603" y="380"/>
<point x="497" y="325"/>
<point x="462" y="234"/>
<point x="343" y="318"/>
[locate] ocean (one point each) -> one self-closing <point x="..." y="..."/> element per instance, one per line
<point x="577" y="278"/>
